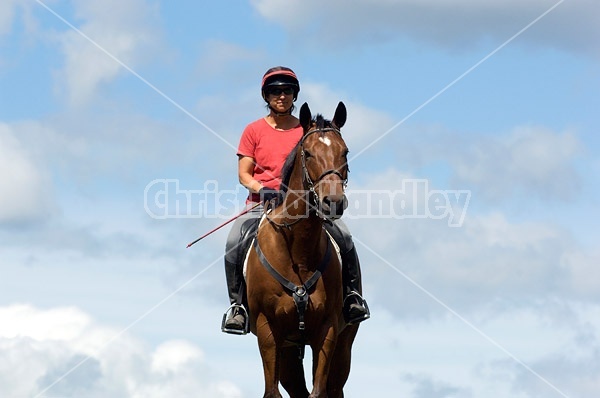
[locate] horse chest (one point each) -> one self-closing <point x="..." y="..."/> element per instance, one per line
<point x="283" y="305"/>
<point x="302" y="270"/>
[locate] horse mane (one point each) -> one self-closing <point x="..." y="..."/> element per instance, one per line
<point x="318" y="122"/>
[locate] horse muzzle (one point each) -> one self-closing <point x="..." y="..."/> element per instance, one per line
<point x="333" y="206"/>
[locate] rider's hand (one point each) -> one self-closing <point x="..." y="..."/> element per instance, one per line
<point x="268" y="194"/>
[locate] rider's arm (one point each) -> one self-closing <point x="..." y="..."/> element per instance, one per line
<point x="246" y="174"/>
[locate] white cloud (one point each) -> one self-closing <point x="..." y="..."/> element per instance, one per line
<point x="363" y="123"/>
<point x="488" y="358"/>
<point x="127" y="30"/>
<point x="585" y="273"/>
<point x="172" y="356"/>
<point x="529" y="159"/>
<point x="228" y="61"/>
<point x="449" y="24"/>
<point x="443" y="354"/>
<point x="7" y="13"/>
<point x="488" y="259"/>
<point x="425" y="387"/>
<point x="24" y="187"/>
<point x="78" y="149"/>
<point x="533" y="162"/>
<point x="39" y="347"/>
<point x="16" y="10"/>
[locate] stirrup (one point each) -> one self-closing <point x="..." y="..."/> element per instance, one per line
<point x="362" y="302"/>
<point x="231" y="313"/>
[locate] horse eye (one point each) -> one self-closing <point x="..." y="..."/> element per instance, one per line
<point x="307" y="154"/>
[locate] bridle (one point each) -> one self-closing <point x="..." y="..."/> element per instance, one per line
<point x="309" y="184"/>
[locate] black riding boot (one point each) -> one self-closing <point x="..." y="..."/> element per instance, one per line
<point x="355" y="306"/>
<point x="235" y="319"/>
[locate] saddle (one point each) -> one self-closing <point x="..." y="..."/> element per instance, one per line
<point x="247" y="236"/>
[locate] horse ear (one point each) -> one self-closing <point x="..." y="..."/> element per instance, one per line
<point x="305" y="116"/>
<point x="339" y="118"/>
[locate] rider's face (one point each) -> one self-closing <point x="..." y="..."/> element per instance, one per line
<point x="281" y="98"/>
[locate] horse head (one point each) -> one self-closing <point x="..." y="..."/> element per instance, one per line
<point x="324" y="161"/>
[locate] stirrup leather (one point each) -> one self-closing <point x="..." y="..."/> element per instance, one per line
<point x="230" y="313"/>
<point x="362" y="302"/>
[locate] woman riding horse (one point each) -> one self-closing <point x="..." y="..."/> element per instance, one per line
<point x="263" y="148"/>
<point x="293" y="272"/>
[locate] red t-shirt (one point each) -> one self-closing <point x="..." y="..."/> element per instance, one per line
<point x="269" y="148"/>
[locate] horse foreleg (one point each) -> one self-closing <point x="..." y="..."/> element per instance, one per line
<point x="267" y="345"/>
<point x="292" y="372"/>
<point x="340" y="365"/>
<point x="322" y="355"/>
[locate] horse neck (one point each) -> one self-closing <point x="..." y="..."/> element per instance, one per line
<point x="304" y="237"/>
<point x="305" y="228"/>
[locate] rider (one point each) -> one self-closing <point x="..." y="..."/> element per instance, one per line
<point x="263" y="148"/>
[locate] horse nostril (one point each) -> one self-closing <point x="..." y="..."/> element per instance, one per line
<point x="335" y="204"/>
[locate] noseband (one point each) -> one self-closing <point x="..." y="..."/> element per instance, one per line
<point x="310" y="183"/>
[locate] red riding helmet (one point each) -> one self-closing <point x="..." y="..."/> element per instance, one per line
<point x="280" y="76"/>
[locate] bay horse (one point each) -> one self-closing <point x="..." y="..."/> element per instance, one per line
<point x="293" y="275"/>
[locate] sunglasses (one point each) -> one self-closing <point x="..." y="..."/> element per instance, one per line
<point x="278" y="91"/>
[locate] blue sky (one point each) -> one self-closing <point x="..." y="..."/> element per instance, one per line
<point x="498" y="99"/>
